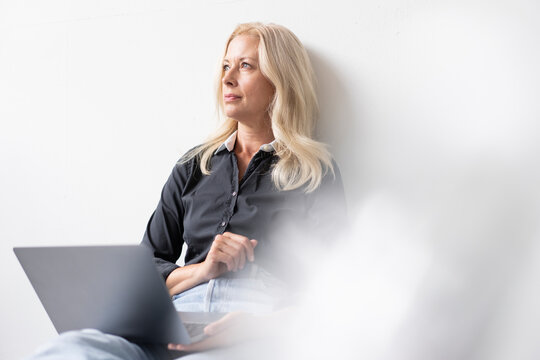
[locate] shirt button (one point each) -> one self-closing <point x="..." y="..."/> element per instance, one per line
<point x="223" y="223"/>
<point x="234" y="193"/>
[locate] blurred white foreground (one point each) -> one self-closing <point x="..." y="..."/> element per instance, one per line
<point x="457" y="279"/>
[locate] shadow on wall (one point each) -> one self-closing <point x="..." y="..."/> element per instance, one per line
<point x="339" y="123"/>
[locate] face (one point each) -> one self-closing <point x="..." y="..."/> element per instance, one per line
<point x="246" y="92"/>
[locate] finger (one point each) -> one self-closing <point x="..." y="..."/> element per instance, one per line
<point x="205" y="344"/>
<point x="223" y="245"/>
<point x="225" y="258"/>
<point x="238" y="238"/>
<point x="220" y="254"/>
<point x="222" y="324"/>
<point x="235" y="250"/>
<point x="251" y="249"/>
<point x="241" y="259"/>
<point x="246" y="243"/>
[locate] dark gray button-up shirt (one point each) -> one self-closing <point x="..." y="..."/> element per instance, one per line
<point x="194" y="208"/>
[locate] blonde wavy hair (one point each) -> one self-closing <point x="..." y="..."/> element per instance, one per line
<point x="293" y="110"/>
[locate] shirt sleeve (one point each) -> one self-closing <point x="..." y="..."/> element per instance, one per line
<point x="164" y="232"/>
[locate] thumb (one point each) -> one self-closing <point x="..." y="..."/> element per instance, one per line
<point x="221" y="324"/>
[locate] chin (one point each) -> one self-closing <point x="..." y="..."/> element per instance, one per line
<point x="230" y="113"/>
<point x="233" y="115"/>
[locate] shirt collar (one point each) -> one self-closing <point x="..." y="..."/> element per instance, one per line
<point x="231" y="140"/>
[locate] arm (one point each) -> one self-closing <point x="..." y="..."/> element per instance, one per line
<point x="164" y="236"/>
<point x="164" y="232"/>
<point x="229" y="252"/>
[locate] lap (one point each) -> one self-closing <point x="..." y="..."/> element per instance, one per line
<point x="91" y="344"/>
<point x="257" y="293"/>
<point x="253" y="290"/>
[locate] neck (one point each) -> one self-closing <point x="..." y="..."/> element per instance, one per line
<point x="250" y="139"/>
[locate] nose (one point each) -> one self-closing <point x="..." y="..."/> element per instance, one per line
<point x="229" y="77"/>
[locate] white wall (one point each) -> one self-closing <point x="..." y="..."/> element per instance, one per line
<point x="431" y="108"/>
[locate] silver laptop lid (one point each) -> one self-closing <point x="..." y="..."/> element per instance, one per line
<point x="115" y="289"/>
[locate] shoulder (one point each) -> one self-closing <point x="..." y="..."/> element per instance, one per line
<point x="192" y="155"/>
<point x="189" y="160"/>
<point x="184" y="168"/>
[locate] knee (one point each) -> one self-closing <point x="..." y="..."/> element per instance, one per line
<point x="84" y="337"/>
<point x="75" y="345"/>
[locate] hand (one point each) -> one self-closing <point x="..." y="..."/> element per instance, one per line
<point x="233" y="328"/>
<point x="229" y="252"/>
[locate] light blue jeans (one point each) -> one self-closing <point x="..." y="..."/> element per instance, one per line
<point x="251" y="290"/>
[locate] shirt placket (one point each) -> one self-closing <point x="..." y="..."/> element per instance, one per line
<point x="230" y="204"/>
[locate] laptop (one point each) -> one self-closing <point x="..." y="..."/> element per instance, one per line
<point x="114" y="289"/>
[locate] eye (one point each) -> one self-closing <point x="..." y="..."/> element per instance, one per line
<point x="226" y="67"/>
<point x="245" y="65"/>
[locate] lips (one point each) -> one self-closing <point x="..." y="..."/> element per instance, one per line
<point x="231" y="97"/>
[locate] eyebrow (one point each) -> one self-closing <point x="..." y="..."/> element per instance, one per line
<point x="242" y="58"/>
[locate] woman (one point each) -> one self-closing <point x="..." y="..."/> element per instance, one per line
<point x="249" y="202"/>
